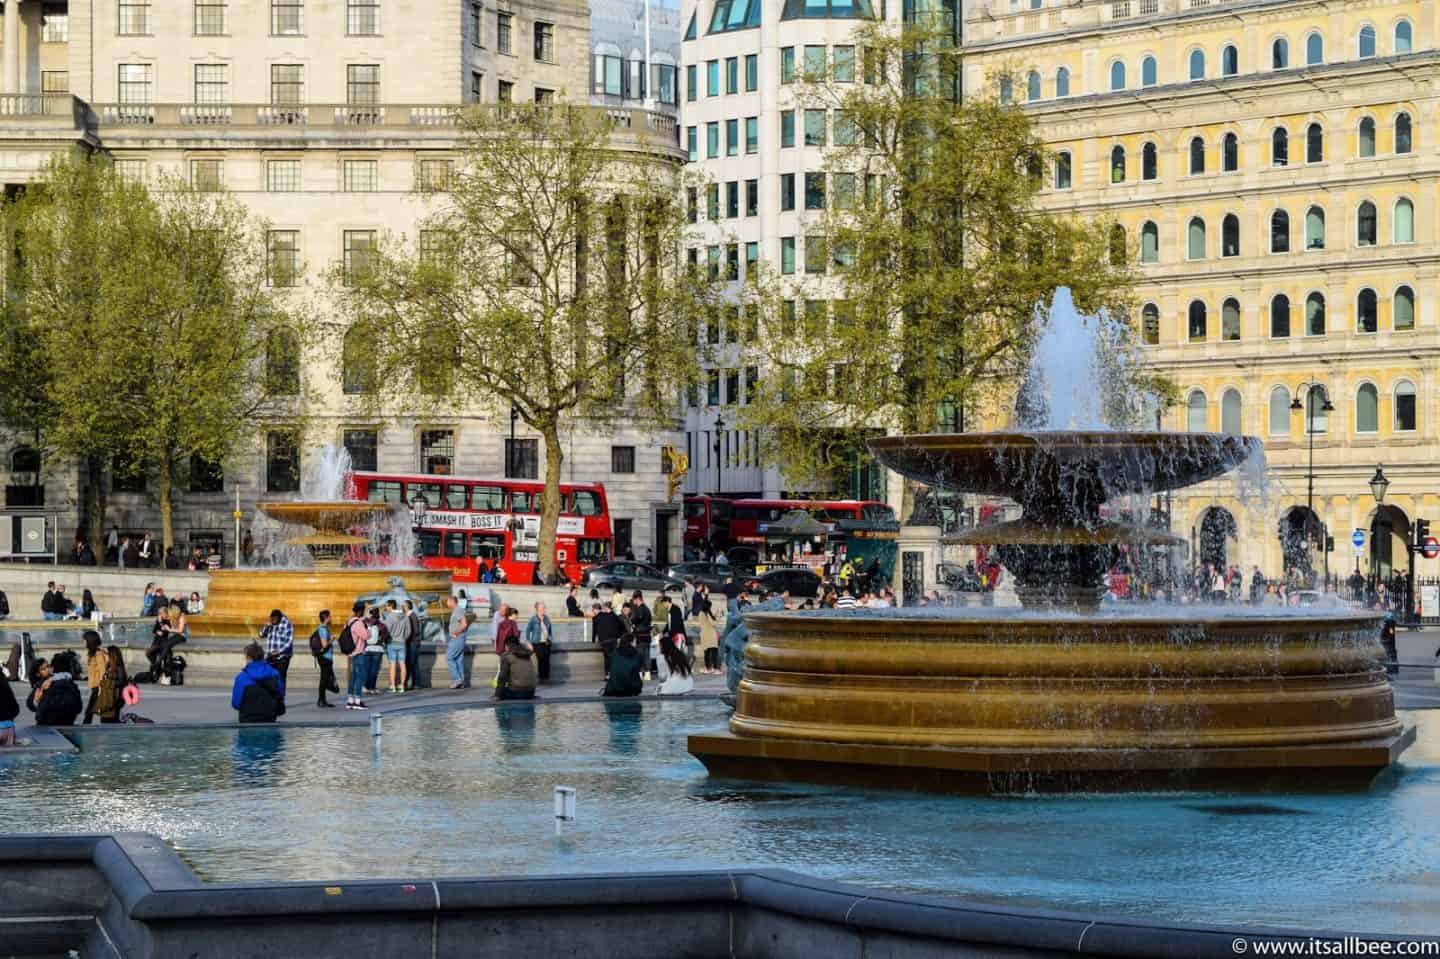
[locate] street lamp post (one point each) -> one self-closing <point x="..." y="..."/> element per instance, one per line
<point x="719" y="445"/>
<point x="1309" y="408"/>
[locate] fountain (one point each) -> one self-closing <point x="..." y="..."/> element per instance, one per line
<point x="335" y="571"/>
<point x="1063" y="695"/>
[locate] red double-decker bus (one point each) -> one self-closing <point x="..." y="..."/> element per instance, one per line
<point x="748" y="516"/>
<point x="464" y="524"/>
<point x="707" y="522"/>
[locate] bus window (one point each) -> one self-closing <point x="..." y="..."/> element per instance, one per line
<point x="456" y="496"/>
<point x="592" y="550"/>
<point x="523" y="502"/>
<point x="429" y="543"/>
<point x="487" y="546"/>
<point x="877" y="511"/>
<point x="587" y="503"/>
<point x="385" y="491"/>
<point x="695" y="509"/>
<point x="488" y="498"/>
<point x="431" y="492"/>
<point x="454" y="545"/>
<point x="720" y="509"/>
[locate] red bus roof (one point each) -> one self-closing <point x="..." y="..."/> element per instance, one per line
<point x="474" y="480"/>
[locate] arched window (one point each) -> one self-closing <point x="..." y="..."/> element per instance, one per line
<point x="1230" y="153"/>
<point x="1404" y="407"/>
<point x="1280" y="232"/>
<point x="1404" y="309"/>
<point x="1279" y="54"/>
<point x="1314" y="144"/>
<point x="1279" y="411"/>
<point x="1196" y="408"/>
<point x="1280" y="147"/>
<point x="1367" y="409"/>
<point x="1314" y="50"/>
<point x="1148" y="73"/>
<point x="1197" y="64"/>
<point x="1195" y="239"/>
<point x="1366" y="45"/>
<point x="1314" y="228"/>
<point x="1404" y="230"/>
<point x="1402" y="133"/>
<point x="1365" y="224"/>
<point x="358" y="360"/>
<point x="1032" y="85"/>
<point x="1149" y="242"/>
<point x="1230" y="412"/>
<point x="1117" y="164"/>
<point x="1367" y="312"/>
<point x="1197" y="321"/>
<point x="1149" y="162"/>
<point x="1230" y="319"/>
<point x="282" y="363"/>
<point x="1117" y="75"/>
<point x="25" y="459"/>
<point x="1229" y="60"/>
<point x="1062" y="170"/>
<point x="1365" y="145"/>
<point x="1150" y="324"/>
<point x="1280" y="316"/>
<point x="1117" y="245"/>
<point x="1230" y="235"/>
<point x="1197" y="155"/>
<point x="1062" y="82"/>
<point x="1316" y="414"/>
<point x="1315" y="314"/>
<point x="1402" y="36"/>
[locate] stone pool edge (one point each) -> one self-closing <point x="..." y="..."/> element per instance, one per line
<point x="130" y="896"/>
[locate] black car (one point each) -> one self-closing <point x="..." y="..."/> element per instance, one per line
<point x="627" y="575"/>
<point x="800" y="581"/>
<point x="711" y="575"/>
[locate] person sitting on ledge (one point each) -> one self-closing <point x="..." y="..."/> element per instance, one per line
<point x="517" y="677"/>
<point x="625" y="668"/>
<point x="259" y="692"/>
<point x="9" y="709"/>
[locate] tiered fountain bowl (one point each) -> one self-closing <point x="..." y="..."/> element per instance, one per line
<point x="240" y="600"/>
<point x="1062" y="695"/>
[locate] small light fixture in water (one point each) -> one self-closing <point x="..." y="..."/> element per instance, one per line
<point x="377" y="723"/>
<point x="564" y="807"/>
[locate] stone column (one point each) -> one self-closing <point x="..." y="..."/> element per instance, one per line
<point x="11" y="50"/>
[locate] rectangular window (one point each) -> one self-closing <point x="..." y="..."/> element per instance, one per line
<point x="787" y="317"/>
<point x="752" y="197"/>
<point x="732" y="387"/>
<point x="622" y="459"/>
<point x="362" y="18"/>
<point x="282" y="176"/>
<point x="692" y="84"/>
<point x="136" y="83"/>
<point x="287" y="17"/>
<point x="787" y="192"/>
<point x="692" y="143"/>
<point x="787" y="128"/>
<point x="752" y="72"/>
<point x="843" y="64"/>
<point x="282" y="463"/>
<point x="712" y="262"/>
<point x="502" y="32"/>
<point x="522" y="458"/>
<point x="732" y="265"/>
<point x="207" y="176"/>
<point x="477" y="24"/>
<point x="732" y="74"/>
<point x="814" y="128"/>
<point x="752" y="260"/>
<point x="433" y="176"/>
<point x="359" y="248"/>
<point x="55" y="23"/>
<point x="437" y="452"/>
<point x="206" y="476"/>
<point x="287" y="84"/>
<point x="815" y="62"/>
<point x="843" y="191"/>
<point x="544" y="41"/>
<point x="505" y="92"/>
<point x="787" y="64"/>
<point x="362" y="84"/>
<point x="732" y="198"/>
<point x="712" y="78"/>
<point x="361" y="176"/>
<point x="752" y="134"/>
<point x="712" y="139"/>
<point x="712" y="201"/>
<point x="283" y="257"/>
<point x="692" y="205"/>
<point x="477" y="87"/>
<point x="844" y="129"/>
<point x="210" y="18"/>
<point x="212" y="84"/>
<point x="134" y="18"/>
<point x="712" y="389"/>
<point x="436" y="246"/>
<point x="814" y="317"/>
<point x="732" y="138"/>
<point x="814" y="191"/>
<point x="787" y="255"/>
<point x="815" y="254"/>
<point x="131" y="171"/>
<point x="55" y="81"/>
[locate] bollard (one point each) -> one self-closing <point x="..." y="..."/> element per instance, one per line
<point x="376" y="723"/>
<point x="564" y="807"/>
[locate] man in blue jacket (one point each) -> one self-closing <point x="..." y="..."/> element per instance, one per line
<point x="259" y="692"/>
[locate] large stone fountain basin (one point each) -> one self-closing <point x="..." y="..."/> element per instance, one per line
<point x="327" y="515"/>
<point x="239" y="600"/>
<point x="957" y="699"/>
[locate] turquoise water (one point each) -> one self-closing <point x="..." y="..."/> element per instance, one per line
<point x="468" y="793"/>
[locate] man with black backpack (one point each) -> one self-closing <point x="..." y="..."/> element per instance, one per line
<point x="322" y="648"/>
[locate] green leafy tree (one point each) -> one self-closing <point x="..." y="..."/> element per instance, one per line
<point x="546" y="279"/>
<point x="924" y="261"/>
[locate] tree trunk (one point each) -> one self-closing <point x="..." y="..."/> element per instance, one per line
<point x="167" y="524"/>
<point x="94" y="480"/>
<point x="550" y="498"/>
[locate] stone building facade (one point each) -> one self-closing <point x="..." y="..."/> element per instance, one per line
<point x="324" y="117"/>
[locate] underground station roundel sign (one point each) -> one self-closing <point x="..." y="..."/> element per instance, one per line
<point x="1431" y="547"/>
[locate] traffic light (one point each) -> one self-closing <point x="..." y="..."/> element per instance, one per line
<point x="1422" y="530"/>
<point x="1329" y="544"/>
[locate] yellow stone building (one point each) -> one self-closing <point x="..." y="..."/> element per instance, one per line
<point x="1275" y="166"/>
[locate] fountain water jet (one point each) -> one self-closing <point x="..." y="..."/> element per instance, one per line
<point x="1062" y="695"/>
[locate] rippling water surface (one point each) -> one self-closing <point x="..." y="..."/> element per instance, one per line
<point x="468" y="793"/>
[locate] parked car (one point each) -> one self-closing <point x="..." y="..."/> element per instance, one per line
<point x="801" y="581"/>
<point x="710" y="574"/>
<point x="627" y="576"/>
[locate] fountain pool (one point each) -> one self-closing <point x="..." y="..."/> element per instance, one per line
<point x="468" y="793"/>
